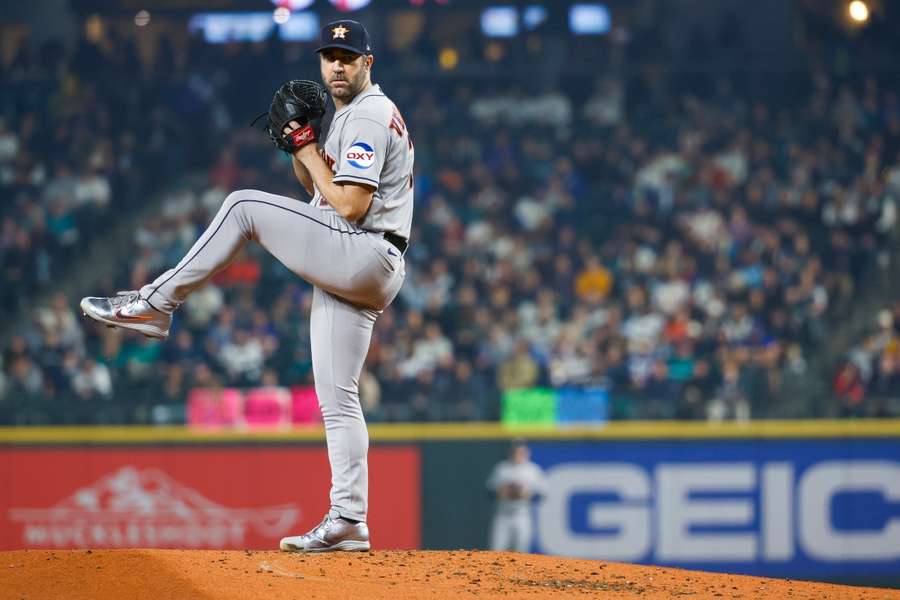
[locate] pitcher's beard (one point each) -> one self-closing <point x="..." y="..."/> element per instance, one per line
<point x="344" y="92"/>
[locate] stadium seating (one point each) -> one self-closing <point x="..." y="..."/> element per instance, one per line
<point x="688" y="257"/>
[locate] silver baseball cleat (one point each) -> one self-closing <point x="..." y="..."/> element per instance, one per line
<point x="130" y="311"/>
<point x="333" y="533"/>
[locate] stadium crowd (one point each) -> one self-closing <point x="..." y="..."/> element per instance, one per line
<point x="685" y="251"/>
<point x="78" y="149"/>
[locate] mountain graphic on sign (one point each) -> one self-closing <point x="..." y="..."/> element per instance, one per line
<point x="150" y="494"/>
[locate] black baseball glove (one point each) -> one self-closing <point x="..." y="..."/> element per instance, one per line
<point x="297" y="100"/>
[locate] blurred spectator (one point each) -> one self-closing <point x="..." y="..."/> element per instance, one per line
<point x="867" y="382"/>
<point x="849" y="388"/>
<point x="25" y="378"/>
<point x="242" y="358"/>
<point x="92" y="379"/>
<point x="594" y="282"/>
<point x="730" y="401"/>
<point x="519" y="371"/>
<point x="606" y="106"/>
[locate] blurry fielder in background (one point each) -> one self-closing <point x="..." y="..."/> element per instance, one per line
<point x="348" y="242"/>
<point x="515" y="482"/>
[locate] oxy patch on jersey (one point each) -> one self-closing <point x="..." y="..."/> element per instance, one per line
<point x="360" y="155"/>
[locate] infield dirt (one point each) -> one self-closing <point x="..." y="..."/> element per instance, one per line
<point x="394" y="575"/>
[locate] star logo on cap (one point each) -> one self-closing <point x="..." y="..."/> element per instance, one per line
<point x="339" y="32"/>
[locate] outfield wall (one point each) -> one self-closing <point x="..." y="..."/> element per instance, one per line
<point x="807" y="499"/>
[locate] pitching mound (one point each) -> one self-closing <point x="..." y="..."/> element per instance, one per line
<point x="221" y="575"/>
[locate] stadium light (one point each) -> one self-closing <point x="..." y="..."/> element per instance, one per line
<point x="293" y="5"/>
<point x="533" y="16"/>
<point x="858" y="11"/>
<point x="589" y="19"/>
<point x="349" y="5"/>
<point x="281" y="15"/>
<point x="302" y="27"/>
<point x="500" y="21"/>
<point x="142" y="18"/>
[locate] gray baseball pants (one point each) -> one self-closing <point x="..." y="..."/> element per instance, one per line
<point x="355" y="274"/>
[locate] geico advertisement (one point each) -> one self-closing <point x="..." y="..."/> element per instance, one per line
<point x="191" y="497"/>
<point x="763" y="507"/>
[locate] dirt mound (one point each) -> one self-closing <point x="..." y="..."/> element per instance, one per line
<point x="396" y="575"/>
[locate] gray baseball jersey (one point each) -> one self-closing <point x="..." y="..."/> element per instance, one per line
<point x="368" y="144"/>
<point x="355" y="271"/>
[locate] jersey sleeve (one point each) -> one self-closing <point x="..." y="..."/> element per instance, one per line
<point x="364" y="146"/>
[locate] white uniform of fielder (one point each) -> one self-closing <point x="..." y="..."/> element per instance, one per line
<point x="516" y="482"/>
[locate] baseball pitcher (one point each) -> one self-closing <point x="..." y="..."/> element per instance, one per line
<point x="348" y="242"/>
